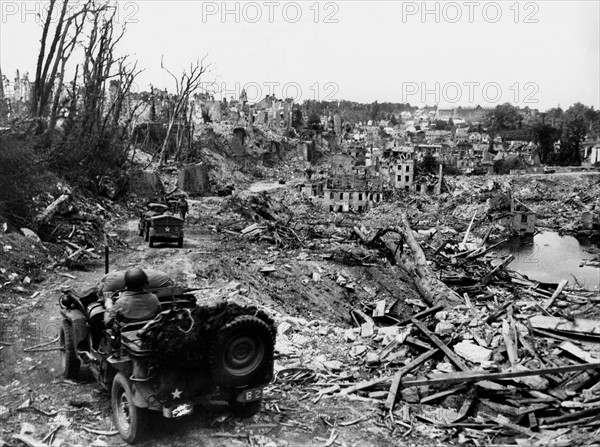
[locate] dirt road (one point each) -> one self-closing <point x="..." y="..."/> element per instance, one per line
<point x="223" y="266"/>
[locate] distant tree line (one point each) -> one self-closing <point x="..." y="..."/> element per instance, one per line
<point x="558" y="134"/>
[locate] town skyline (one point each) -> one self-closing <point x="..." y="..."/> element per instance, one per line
<point x="417" y="54"/>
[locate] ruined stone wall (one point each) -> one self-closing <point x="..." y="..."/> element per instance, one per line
<point x="145" y="183"/>
<point x="193" y="179"/>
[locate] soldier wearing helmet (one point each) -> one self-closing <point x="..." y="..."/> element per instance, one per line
<point x="135" y="304"/>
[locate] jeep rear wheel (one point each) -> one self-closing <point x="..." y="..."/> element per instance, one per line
<point x="131" y="421"/>
<point x="242" y="352"/>
<point x="69" y="360"/>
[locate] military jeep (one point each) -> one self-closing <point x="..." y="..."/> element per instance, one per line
<point x="165" y="228"/>
<point x="152" y="209"/>
<point x="186" y="358"/>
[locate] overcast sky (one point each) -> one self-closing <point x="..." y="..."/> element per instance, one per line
<point x="537" y="54"/>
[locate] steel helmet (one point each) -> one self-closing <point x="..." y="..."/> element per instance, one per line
<point x="135" y="279"/>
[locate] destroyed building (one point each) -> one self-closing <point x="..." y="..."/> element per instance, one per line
<point x="312" y="188"/>
<point x="400" y="163"/>
<point x="15" y="97"/>
<point x="344" y="193"/>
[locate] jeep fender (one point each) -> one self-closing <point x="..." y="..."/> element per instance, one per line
<point x="78" y="322"/>
<point x="141" y="395"/>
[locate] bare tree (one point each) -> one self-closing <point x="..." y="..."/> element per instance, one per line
<point x="185" y="86"/>
<point x="55" y="54"/>
<point x="96" y="107"/>
<point x="3" y="108"/>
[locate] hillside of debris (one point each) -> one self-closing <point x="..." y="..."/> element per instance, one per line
<point x="398" y="325"/>
<point x="363" y="357"/>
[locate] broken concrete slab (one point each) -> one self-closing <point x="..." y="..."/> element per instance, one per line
<point x="472" y="352"/>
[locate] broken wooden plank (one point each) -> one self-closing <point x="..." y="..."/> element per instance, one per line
<point x="421" y="315"/>
<point x="87" y="251"/>
<point x="499" y="311"/>
<point x="440" y="248"/>
<point x="466" y="405"/>
<point x="505" y="422"/>
<point x="578" y="352"/>
<point x="476" y="376"/>
<point x="533" y="422"/>
<point x="391" y="397"/>
<point x="578" y="325"/>
<point x="578" y="415"/>
<point x="441" y="394"/>
<point x="250" y="228"/>
<point x="418" y="343"/>
<point x="464" y="241"/>
<point x="405" y="370"/>
<point x="364" y="384"/>
<point x="498" y="408"/>
<point x="510" y="335"/>
<point x="440" y="344"/>
<point x="467" y="300"/>
<point x="51" y="209"/>
<point x="487" y="278"/>
<point x="556" y="293"/>
<point x="397" y="341"/>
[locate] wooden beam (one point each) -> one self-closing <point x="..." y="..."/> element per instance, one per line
<point x="489" y="276"/>
<point x="466" y="406"/>
<point x="511" y="337"/>
<point x="441" y="394"/>
<point x="556" y="293"/>
<point x="440" y="344"/>
<point x="405" y="370"/>
<point x="477" y="376"/>
<point x="422" y="314"/>
<point x="464" y="241"/>
<point x="391" y="397"/>
<point x="51" y="209"/>
<point x="418" y="343"/>
<point x="578" y="325"/>
<point x="87" y="251"/>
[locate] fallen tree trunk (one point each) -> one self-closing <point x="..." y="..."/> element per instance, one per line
<point x="433" y="291"/>
<point x="44" y="216"/>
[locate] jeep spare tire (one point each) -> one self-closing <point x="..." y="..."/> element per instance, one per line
<point x="242" y="352"/>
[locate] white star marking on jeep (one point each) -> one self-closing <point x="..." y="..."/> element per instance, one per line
<point x="176" y="394"/>
<point x="167" y="229"/>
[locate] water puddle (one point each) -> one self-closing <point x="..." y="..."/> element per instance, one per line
<point x="549" y="257"/>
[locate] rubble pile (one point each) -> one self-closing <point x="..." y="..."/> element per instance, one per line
<point x="516" y="364"/>
<point x="509" y="361"/>
<point x="564" y="205"/>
